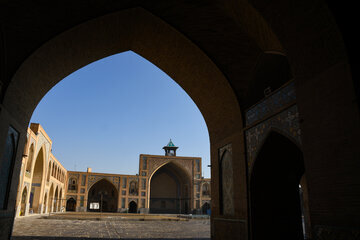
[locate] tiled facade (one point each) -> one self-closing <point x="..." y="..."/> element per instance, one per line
<point x="46" y="186"/>
<point x="148" y="166"/>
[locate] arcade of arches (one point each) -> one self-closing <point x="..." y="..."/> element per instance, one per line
<point x="95" y="192"/>
<point x="42" y="177"/>
<point x="62" y="190"/>
<point x="279" y="75"/>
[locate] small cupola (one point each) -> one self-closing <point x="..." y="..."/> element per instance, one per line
<point x="170" y="149"/>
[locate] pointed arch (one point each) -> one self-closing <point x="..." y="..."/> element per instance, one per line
<point x="55" y="201"/>
<point x="30" y="159"/>
<point x="23" y="201"/>
<point x="71" y="205"/>
<point x="51" y="198"/>
<point x="38" y="178"/>
<point x="105" y="194"/>
<point x="226" y="192"/>
<point x="60" y="199"/>
<point x="274" y="182"/>
<point x="170" y="189"/>
<point x="133" y="207"/>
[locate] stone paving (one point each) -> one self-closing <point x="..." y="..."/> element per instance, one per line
<point x="39" y="228"/>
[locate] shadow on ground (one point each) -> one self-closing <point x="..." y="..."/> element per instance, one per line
<point x="84" y="238"/>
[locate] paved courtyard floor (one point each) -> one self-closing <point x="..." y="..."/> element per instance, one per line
<point x="60" y="228"/>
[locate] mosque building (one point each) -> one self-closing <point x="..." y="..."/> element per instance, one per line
<point x="164" y="184"/>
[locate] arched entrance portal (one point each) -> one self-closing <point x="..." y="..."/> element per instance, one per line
<point x="169" y="190"/>
<point x="37" y="182"/>
<point x="205" y="208"/>
<point x="23" y="202"/>
<point x="274" y="189"/>
<point x="105" y="195"/>
<point x="132" y="207"/>
<point x="71" y="205"/>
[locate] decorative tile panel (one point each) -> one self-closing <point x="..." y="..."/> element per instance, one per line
<point x="269" y="105"/>
<point x="225" y="156"/>
<point x="286" y="122"/>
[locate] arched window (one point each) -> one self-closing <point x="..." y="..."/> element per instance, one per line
<point x="205" y="189"/>
<point x="30" y="159"/>
<point x="133" y="188"/>
<point x="72" y="184"/>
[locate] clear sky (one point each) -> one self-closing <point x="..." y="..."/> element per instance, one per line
<point x="107" y="113"/>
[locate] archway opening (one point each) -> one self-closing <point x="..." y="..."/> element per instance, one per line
<point x="23" y="202"/>
<point x="51" y="198"/>
<point x="274" y="189"/>
<point x="56" y="196"/>
<point x="60" y="200"/>
<point x="170" y="190"/>
<point x="71" y="205"/>
<point x="206" y="208"/>
<point x="37" y="181"/>
<point x="132" y="207"/>
<point x="102" y="197"/>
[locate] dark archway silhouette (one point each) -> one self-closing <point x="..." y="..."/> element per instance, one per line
<point x="71" y="205"/>
<point x="105" y="194"/>
<point x="132" y="207"/>
<point x="205" y="208"/>
<point x="274" y="189"/>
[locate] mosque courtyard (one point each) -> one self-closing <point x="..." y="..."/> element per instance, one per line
<point x="110" y="226"/>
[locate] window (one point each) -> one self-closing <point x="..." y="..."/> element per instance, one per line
<point x="197" y="203"/>
<point x="123" y="192"/>
<point x="143" y="173"/>
<point x="123" y="202"/>
<point x="205" y="189"/>
<point x="133" y="188"/>
<point x="197" y="176"/>
<point x="72" y="185"/>
<point x="143" y="194"/>
<point x="82" y="190"/>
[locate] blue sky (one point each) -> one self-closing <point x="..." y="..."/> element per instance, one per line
<point x="107" y="113"/>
